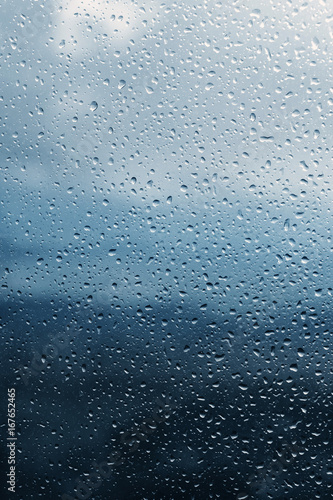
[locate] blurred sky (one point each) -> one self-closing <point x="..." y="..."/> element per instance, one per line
<point x="162" y="151"/>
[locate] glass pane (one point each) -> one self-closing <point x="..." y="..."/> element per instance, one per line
<point x="166" y="249"/>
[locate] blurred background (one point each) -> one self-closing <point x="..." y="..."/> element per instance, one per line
<point x="166" y="188"/>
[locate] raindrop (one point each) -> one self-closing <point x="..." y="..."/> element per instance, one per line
<point x="93" y="106"/>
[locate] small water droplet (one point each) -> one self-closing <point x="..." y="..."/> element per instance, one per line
<point x="93" y="106"/>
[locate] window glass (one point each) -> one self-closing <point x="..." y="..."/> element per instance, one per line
<point x="166" y="249"/>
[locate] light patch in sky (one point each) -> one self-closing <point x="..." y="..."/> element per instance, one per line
<point x="81" y="21"/>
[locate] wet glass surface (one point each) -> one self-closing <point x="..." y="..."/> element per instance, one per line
<point x="166" y="190"/>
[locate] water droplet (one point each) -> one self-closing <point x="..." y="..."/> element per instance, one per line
<point x="93" y="106"/>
